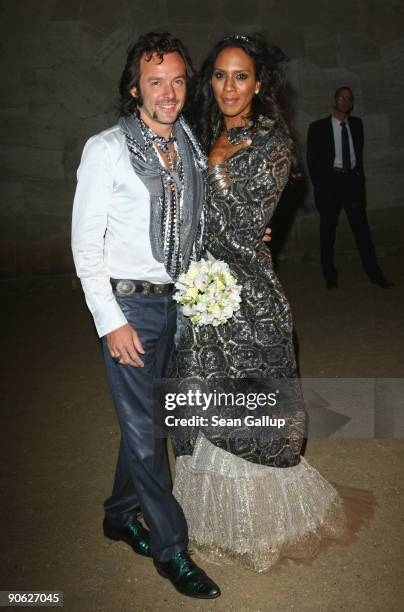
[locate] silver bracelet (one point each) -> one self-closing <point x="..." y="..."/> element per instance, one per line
<point x="219" y="177"/>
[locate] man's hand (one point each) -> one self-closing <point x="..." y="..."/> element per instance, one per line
<point x="267" y="235"/>
<point x="124" y="343"/>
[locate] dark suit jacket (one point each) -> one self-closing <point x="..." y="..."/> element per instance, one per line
<point x="321" y="150"/>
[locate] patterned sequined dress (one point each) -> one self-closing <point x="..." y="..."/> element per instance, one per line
<point x="248" y="496"/>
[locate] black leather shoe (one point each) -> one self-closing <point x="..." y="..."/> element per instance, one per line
<point x="381" y="281"/>
<point x="134" y="534"/>
<point x="331" y="284"/>
<point x="187" y="577"/>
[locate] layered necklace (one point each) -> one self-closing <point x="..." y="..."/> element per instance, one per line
<point x="173" y="177"/>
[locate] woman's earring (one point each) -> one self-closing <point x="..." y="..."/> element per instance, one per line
<point x="257" y="91"/>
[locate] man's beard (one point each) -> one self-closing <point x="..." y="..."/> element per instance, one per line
<point x="154" y="115"/>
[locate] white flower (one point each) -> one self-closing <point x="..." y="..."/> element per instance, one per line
<point x="227" y="312"/>
<point x="208" y="292"/>
<point x="192" y="272"/>
<point x="187" y="310"/>
<point x="218" y="267"/>
<point x="201" y="282"/>
<point x="205" y="319"/>
<point x="201" y="306"/>
<point x="192" y="293"/>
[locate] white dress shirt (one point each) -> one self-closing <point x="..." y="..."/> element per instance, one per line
<point x="336" y="126"/>
<point x="110" y="228"/>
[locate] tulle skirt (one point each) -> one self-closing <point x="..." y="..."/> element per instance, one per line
<point x="253" y="515"/>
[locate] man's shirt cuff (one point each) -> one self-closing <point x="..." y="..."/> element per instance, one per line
<point x="108" y="318"/>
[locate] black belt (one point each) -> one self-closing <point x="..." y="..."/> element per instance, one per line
<point x="127" y="287"/>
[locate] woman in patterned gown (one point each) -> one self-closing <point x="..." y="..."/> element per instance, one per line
<point x="249" y="498"/>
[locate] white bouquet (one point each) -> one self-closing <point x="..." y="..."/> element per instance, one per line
<point x="208" y="292"/>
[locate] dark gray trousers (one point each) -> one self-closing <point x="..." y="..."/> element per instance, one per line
<point x="142" y="478"/>
<point x="346" y="191"/>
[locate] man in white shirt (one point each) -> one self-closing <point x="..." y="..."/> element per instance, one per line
<point x="136" y="224"/>
<point x="335" y="162"/>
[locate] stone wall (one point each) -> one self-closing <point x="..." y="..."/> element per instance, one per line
<point x="61" y="60"/>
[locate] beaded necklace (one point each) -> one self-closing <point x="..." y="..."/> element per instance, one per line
<point x="174" y="179"/>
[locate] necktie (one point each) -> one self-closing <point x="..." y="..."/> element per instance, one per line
<point x="346" y="155"/>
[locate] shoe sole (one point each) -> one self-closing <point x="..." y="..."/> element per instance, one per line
<point x="111" y="534"/>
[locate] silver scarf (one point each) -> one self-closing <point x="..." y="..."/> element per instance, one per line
<point x="174" y="240"/>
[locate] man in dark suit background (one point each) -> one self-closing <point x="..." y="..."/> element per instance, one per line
<point x="335" y="161"/>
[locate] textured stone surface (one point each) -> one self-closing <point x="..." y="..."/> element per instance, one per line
<point x="66" y="10"/>
<point x="385" y="21"/>
<point x="377" y="130"/>
<point x="48" y="197"/>
<point x="290" y="39"/>
<point x="397" y="175"/>
<point x="82" y="89"/>
<point x="197" y="38"/>
<point x="104" y="16"/>
<point x="111" y="55"/>
<point x="30" y="161"/>
<point x="376" y="85"/>
<point x="317" y="87"/>
<point x="320" y="46"/>
<point x="12" y="91"/>
<point x="357" y="49"/>
<point x="393" y="63"/>
<point x="194" y="11"/>
<point x="61" y="61"/>
<point x="30" y="10"/>
<point x="52" y="116"/>
<point x="12" y="199"/>
<point x="25" y="131"/>
<point x="397" y="127"/>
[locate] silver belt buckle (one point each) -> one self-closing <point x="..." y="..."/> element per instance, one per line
<point x="125" y="287"/>
<point x="160" y="289"/>
<point x="146" y="287"/>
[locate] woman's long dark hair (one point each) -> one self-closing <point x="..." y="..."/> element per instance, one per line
<point x="270" y="101"/>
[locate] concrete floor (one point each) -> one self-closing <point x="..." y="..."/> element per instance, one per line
<point x="59" y="440"/>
